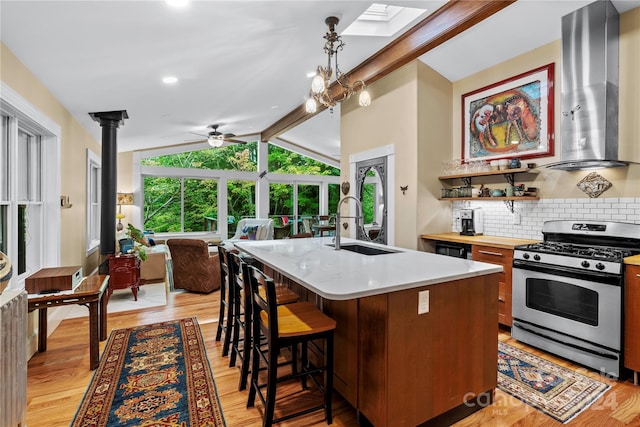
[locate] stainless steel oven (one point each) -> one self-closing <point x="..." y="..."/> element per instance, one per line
<point x="567" y="292"/>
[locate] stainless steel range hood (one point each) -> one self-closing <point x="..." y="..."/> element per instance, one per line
<point x="590" y="88"/>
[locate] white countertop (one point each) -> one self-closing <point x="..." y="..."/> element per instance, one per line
<point x="343" y="275"/>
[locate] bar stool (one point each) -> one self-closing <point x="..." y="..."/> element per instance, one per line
<point x="286" y="325"/>
<point x="225" y="317"/>
<point x="242" y="315"/>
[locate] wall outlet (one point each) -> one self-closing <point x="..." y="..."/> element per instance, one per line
<point x="423" y="302"/>
<point x="517" y="218"/>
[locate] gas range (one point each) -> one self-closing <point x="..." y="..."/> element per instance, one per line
<point x="567" y="291"/>
<point x="587" y="246"/>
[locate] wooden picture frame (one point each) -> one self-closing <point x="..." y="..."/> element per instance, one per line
<point x="512" y="118"/>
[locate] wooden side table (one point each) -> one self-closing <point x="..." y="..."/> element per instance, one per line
<point x="90" y="293"/>
<point x="124" y="272"/>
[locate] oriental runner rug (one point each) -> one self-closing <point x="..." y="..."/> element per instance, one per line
<point x="556" y="391"/>
<point x="153" y="375"/>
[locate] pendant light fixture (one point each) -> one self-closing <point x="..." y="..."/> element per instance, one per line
<point x="320" y="84"/>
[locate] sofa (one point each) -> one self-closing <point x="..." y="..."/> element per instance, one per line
<point x="253" y="229"/>
<point x="154" y="268"/>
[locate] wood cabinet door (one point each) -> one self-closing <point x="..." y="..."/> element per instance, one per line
<point x="124" y="272"/>
<point x="503" y="257"/>
<point x="632" y="318"/>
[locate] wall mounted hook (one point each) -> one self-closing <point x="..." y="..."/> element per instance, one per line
<point x="64" y="202"/>
<point x="404" y="189"/>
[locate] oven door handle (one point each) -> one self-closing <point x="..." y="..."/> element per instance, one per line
<point x="587" y="350"/>
<point x="594" y="276"/>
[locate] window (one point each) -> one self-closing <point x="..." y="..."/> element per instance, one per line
<point x="29" y="186"/>
<point x="21" y="196"/>
<point x="200" y="205"/>
<point x="94" y="172"/>
<point x="173" y="205"/>
<point x="241" y="202"/>
<point x="4" y="182"/>
<point x="210" y="190"/>
<point x="233" y="157"/>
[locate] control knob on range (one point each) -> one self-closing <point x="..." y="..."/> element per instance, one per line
<point x="525" y="255"/>
<point x="600" y="266"/>
<point x="585" y="264"/>
<point x="536" y="257"/>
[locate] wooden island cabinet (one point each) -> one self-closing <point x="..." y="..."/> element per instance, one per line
<point x="416" y="335"/>
<point x="494" y="250"/>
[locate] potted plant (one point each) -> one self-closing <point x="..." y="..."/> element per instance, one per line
<point x="134" y="242"/>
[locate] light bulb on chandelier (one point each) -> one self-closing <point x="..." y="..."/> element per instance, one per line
<point x="320" y="85"/>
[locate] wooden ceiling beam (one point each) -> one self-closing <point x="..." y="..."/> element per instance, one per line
<point x="445" y="23"/>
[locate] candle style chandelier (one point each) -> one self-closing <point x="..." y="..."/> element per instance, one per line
<point x="322" y="80"/>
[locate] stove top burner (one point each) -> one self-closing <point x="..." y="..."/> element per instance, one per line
<point x="591" y="252"/>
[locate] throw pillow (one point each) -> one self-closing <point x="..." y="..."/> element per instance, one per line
<point x="250" y="232"/>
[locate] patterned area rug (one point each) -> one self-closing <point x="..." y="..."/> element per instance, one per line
<point x="153" y="375"/>
<point x="556" y="391"/>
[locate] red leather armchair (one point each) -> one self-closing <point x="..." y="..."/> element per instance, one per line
<point x="193" y="268"/>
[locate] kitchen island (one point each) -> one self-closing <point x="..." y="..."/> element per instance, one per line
<point x="417" y="332"/>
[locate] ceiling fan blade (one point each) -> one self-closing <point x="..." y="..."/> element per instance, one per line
<point x="235" y="141"/>
<point x="199" y="134"/>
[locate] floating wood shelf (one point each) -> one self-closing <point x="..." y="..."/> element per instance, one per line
<point x="509" y="175"/>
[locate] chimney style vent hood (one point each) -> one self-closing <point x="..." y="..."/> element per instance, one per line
<point x="590" y="88"/>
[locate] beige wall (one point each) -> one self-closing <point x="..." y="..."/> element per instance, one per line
<point x="391" y="119"/>
<point x="434" y="134"/>
<point x="562" y="184"/>
<point x="125" y="185"/>
<point x="75" y="141"/>
<point x="411" y="111"/>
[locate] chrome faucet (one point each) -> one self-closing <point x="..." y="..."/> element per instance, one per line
<point x="357" y="217"/>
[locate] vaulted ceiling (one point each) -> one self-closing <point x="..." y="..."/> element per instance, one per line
<point x="243" y="64"/>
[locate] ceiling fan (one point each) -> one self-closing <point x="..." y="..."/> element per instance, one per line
<point x="217" y="138"/>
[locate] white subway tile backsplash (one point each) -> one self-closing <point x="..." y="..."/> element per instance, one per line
<point x="498" y="220"/>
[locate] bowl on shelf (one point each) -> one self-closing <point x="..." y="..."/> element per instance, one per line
<point x="497" y="193"/>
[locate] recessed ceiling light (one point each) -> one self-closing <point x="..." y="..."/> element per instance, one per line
<point x="177" y="3"/>
<point x="169" y="80"/>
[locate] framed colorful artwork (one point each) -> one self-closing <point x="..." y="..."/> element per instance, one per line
<point x="510" y="118"/>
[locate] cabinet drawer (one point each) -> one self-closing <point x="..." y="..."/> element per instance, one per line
<point x="493" y="255"/>
<point x="503" y="257"/>
<point x="504" y="304"/>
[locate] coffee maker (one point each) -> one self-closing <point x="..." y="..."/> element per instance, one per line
<point x="471" y="221"/>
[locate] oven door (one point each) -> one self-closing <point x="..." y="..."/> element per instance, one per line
<point x="579" y="305"/>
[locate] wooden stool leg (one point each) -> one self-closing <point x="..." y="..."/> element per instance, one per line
<point x="272" y="378"/>
<point x="228" y="324"/>
<point x="246" y="351"/>
<point x="328" y="378"/>
<point x="304" y="362"/>
<point x="221" y="316"/>
<point x="255" y="363"/>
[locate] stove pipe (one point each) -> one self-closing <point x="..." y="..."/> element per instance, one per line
<point x="109" y="121"/>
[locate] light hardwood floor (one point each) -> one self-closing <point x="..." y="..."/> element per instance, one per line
<point x="58" y="378"/>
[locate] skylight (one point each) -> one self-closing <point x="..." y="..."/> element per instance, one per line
<point x="382" y="20"/>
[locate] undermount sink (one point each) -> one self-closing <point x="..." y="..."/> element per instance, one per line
<point x="365" y="250"/>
